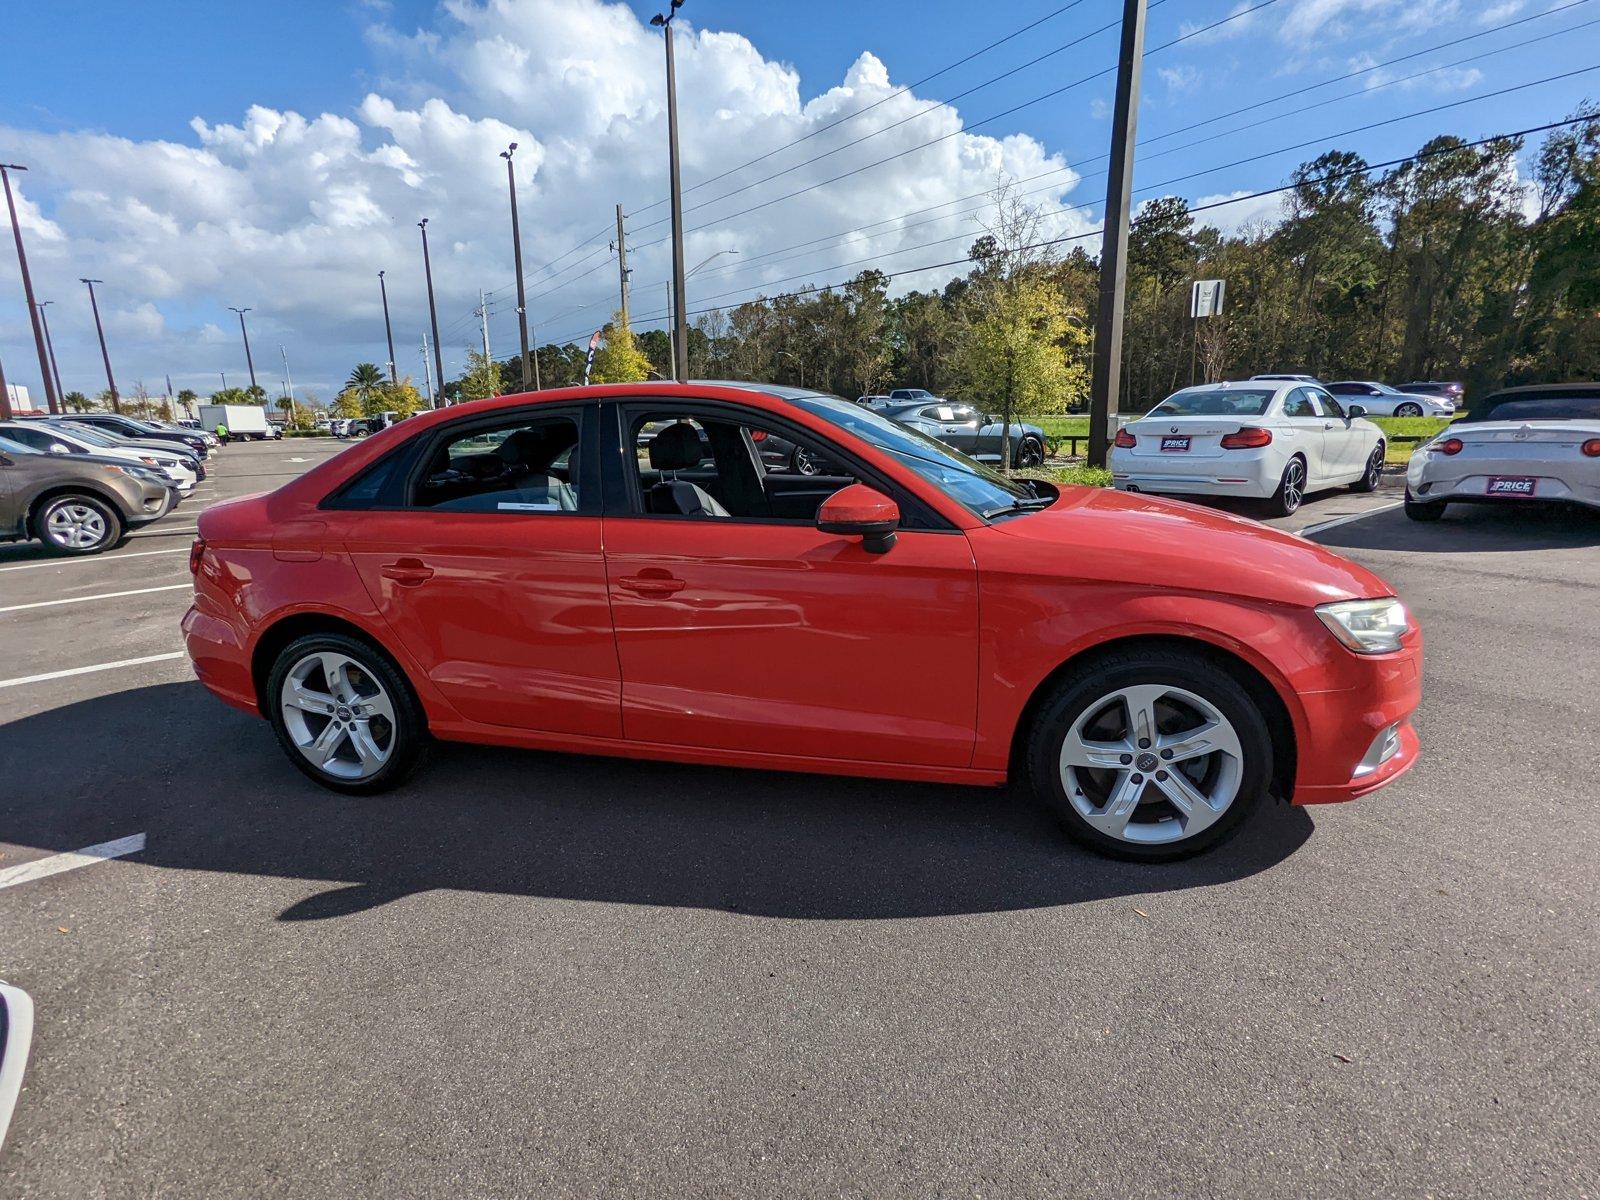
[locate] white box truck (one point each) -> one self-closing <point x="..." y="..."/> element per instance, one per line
<point x="243" y="421"/>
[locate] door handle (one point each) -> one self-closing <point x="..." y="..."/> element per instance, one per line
<point x="652" y="583"/>
<point x="407" y="572"/>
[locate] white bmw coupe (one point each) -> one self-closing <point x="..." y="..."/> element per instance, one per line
<point x="1259" y="439"/>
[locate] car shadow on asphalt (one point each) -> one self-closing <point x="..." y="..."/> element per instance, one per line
<point x="1470" y="529"/>
<point x="211" y="789"/>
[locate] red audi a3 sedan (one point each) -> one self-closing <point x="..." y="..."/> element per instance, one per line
<point x="616" y="570"/>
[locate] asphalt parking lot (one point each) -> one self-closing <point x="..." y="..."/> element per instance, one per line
<point x="539" y="975"/>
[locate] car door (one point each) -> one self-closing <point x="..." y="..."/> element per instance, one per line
<point x="965" y="432"/>
<point x="1304" y="423"/>
<point x="481" y="552"/>
<point x="748" y="631"/>
<point x="1345" y="444"/>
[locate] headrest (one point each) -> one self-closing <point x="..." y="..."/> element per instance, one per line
<point x="530" y="447"/>
<point x="676" y="448"/>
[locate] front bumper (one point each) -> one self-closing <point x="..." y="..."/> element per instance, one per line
<point x="1358" y="737"/>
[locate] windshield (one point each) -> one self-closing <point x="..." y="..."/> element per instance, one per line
<point x="1548" y="408"/>
<point x="972" y="484"/>
<point x="1215" y="402"/>
<point x="94" y="437"/>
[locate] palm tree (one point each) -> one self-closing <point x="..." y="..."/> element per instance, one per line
<point x="365" y="381"/>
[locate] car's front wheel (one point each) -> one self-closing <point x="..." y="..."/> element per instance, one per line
<point x="1030" y="452"/>
<point x="1150" y="755"/>
<point x="1408" y="409"/>
<point x="78" y="524"/>
<point x="344" y="714"/>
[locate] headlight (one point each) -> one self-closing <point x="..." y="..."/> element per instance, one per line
<point x="1367" y="626"/>
<point x="144" y="473"/>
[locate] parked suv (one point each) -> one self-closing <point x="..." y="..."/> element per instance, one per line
<point x="76" y="503"/>
<point x="127" y="427"/>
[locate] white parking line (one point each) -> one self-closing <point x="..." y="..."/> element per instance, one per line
<point x="43" y="868"/>
<point x="169" y="587"/>
<point x="92" y="560"/>
<point x="1320" y="526"/>
<point x="110" y="666"/>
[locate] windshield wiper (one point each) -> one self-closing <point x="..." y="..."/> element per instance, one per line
<point x="1020" y="504"/>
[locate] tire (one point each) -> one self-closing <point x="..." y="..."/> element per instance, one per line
<point x="77" y="524"/>
<point x="1029" y="453"/>
<point x="1369" y="481"/>
<point x="1095" y="706"/>
<point x="1408" y="409"/>
<point x="1419" y="510"/>
<point x="380" y="735"/>
<point x="1291" y="491"/>
<point x="803" y="462"/>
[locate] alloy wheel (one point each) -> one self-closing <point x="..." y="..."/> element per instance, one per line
<point x="1151" y="764"/>
<point x="805" y="463"/>
<point x="1408" y="410"/>
<point x="1294" y="483"/>
<point x="74" y="525"/>
<point x="339" y="716"/>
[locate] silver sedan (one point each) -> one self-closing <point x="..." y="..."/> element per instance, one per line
<point x="1532" y="443"/>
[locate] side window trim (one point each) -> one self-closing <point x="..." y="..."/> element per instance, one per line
<point x="620" y="483"/>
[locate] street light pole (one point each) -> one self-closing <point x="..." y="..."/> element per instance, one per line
<point x="105" y="355"/>
<point x="55" y="369"/>
<point x="433" y="316"/>
<point x="680" y="329"/>
<point x="1106" y="384"/>
<point x="248" y="361"/>
<point x="516" y="255"/>
<point x="388" y="330"/>
<point x="52" y="402"/>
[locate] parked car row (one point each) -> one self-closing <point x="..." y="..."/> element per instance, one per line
<point x="1419" y="399"/>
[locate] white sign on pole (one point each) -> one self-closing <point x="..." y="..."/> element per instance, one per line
<point x="1205" y="300"/>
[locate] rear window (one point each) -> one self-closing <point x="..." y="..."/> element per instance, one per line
<point x="1548" y="408"/>
<point x="1216" y="402"/>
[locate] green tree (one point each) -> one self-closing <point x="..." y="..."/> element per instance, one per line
<point x="231" y="395"/>
<point x="77" y="402"/>
<point x="365" y="381"/>
<point x="482" y="378"/>
<point x="619" y="358"/>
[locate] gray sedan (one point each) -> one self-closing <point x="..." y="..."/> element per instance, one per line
<point x="977" y="435"/>
<point x="1524" y="443"/>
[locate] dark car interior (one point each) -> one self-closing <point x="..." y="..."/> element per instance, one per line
<point x="524" y="468"/>
<point x="702" y="467"/>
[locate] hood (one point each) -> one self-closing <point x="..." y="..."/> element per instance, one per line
<point x="1120" y="537"/>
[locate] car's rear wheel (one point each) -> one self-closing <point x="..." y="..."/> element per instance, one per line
<point x="1419" y="510"/>
<point x="78" y="524"/>
<point x="1291" y="489"/>
<point x="1408" y="409"/>
<point x="1150" y="755"/>
<point x="344" y="714"/>
<point x="1369" y="481"/>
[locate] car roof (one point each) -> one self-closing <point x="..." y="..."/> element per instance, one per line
<point x="1544" y="389"/>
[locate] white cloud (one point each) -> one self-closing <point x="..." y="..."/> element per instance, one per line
<point x="294" y="214"/>
<point x="1179" y="79"/>
<point x="1250" y="214"/>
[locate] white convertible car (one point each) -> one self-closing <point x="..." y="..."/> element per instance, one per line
<point x="1531" y="443"/>
<point x="1259" y="439"/>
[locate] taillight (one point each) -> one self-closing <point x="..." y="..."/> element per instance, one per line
<point x="1248" y="437"/>
<point x="196" y="553"/>
<point x="1450" y="446"/>
<point x="1592" y="447"/>
<point x="1126" y="440"/>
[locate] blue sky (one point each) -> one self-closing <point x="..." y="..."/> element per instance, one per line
<point x="167" y="158"/>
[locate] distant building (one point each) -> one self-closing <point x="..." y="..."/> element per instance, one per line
<point x="20" y="403"/>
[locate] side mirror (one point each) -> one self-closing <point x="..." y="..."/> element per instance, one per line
<point x="60" y="448"/>
<point x="859" y="511"/>
<point x="1356" y="410"/>
<point x="16" y="1033"/>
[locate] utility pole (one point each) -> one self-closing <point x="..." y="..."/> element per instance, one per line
<point x="105" y="355"/>
<point x="248" y="361"/>
<point x="388" y="330"/>
<point x="433" y="315"/>
<point x="55" y="369"/>
<point x="427" y="375"/>
<point x="622" y="265"/>
<point x="52" y="402"/>
<point x="488" y="360"/>
<point x="516" y="255"/>
<point x="672" y="340"/>
<point x="172" y="404"/>
<point x="1106" y="385"/>
<point x="680" y="331"/>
